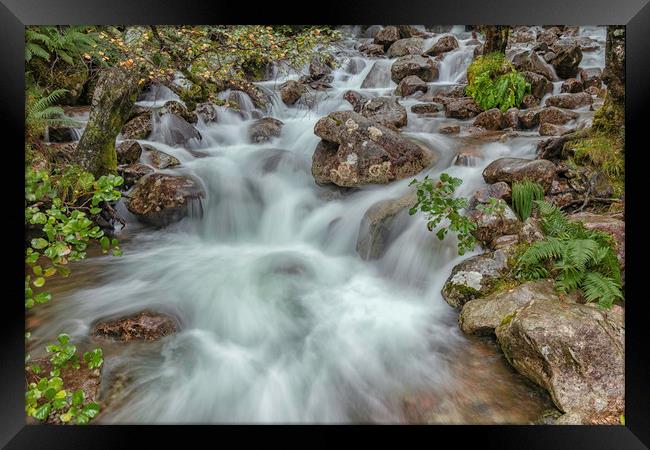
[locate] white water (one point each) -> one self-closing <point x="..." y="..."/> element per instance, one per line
<point x="281" y="320"/>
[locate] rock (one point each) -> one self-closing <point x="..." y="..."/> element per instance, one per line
<point x="449" y="129"/>
<point x="376" y="225"/>
<point x="407" y="31"/>
<point x="161" y="199"/>
<point x="529" y="61"/>
<point x="128" y="152"/>
<point x="500" y="190"/>
<point x="490" y="226"/>
<point x="462" y="108"/>
<point x="567" y="58"/>
<point x="549" y="36"/>
<point x="423" y="67"/>
<point x="529" y="101"/>
<point x="372" y="31"/>
<point x="386" y="36"/>
<point x="263" y="130"/>
<point x="142" y="326"/>
<point x="556" y="116"/>
<point x="572" y="85"/>
<point x="133" y="172"/>
<point x="61" y="134"/>
<point x="539" y="84"/>
<point x="443" y="45"/>
<point x="606" y="224"/>
<point x="291" y="91"/>
<point x="410" y="85"/>
<point x="473" y="277"/>
<point x="357" y="151"/>
<point x="385" y="110"/>
<point x="483" y="315"/>
<point x="174" y="107"/>
<point x="550" y="129"/>
<point x="319" y="68"/>
<point x="408" y="46"/>
<point x="553" y="148"/>
<point x="517" y="169"/>
<point x="372" y="49"/>
<point x="207" y="112"/>
<point x="570" y="101"/>
<point x="574" y="351"/>
<point x="492" y="119"/>
<point x="160" y="160"/>
<point x="511" y="118"/>
<point x="378" y="76"/>
<point x="259" y="98"/>
<point x="591" y="77"/>
<point x="176" y="131"/>
<point x="522" y="35"/>
<point x="425" y="108"/>
<point x="140" y="127"/>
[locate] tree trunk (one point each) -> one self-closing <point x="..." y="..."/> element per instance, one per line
<point x="496" y="38"/>
<point x="116" y="91"/>
<point x="611" y="116"/>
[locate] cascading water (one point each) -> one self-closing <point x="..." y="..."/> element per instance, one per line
<point x="281" y="320"/>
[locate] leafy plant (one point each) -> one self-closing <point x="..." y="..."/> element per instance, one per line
<point x="58" y="42"/>
<point x="493" y="82"/>
<point x="436" y="201"/>
<point x="524" y="193"/>
<point x="577" y="258"/>
<point x="41" y="112"/>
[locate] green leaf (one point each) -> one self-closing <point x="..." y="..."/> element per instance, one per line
<point x="42" y="412"/>
<point x="78" y="397"/>
<point x="105" y="243"/>
<point x="43" y="297"/>
<point x="39" y="282"/>
<point x="91" y="410"/>
<point x="39" y="243"/>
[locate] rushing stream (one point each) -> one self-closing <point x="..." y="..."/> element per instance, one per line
<point x="281" y="320"/>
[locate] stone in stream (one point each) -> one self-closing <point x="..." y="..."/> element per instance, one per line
<point x="574" y="351"/>
<point x="133" y="172"/>
<point x="570" y="101"/>
<point x="423" y="67"/>
<point x="139" y="127"/>
<point x="426" y="108"/>
<point x="539" y="84"/>
<point x="511" y="118"/>
<point x="493" y="224"/>
<point x="207" y="112"/>
<point x="443" y="45"/>
<point x="159" y="159"/>
<point x="377" y="223"/>
<point x="143" y="326"/>
<point x="371" y="49"/>
<point x="529" y="61"/>
<point x="384" y="110"/>
<point x="174" y="107"/>
<point x="128" y="152"/>
<point x="571" y="86"/>
<point x="492" y="119"/>
<point x="517" y="169"/>
<point x="386" y="36"/>
<point x="291" y="91"/>
<point x="410" y="85"/>
<point x="567" y="58"/>
<point x="462" y="108"/>
<point x="160" y="199"/>
<point x="591" y="77"/>
<point x="550" y="129"/>
<point x="529" y="118"/>
<point x="263" y="130"/>
<point x="355" y="151"/>
<point x="556" y="115"/>
<point x="408" y="46"/>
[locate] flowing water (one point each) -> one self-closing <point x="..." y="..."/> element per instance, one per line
<point x="281" y="320"/>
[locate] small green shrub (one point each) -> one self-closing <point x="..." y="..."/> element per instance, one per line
<point x="66" y="43"/>
<point x="493" y="82"/>
<point x="524" y="193"/>
<point x="577" y="258"/>
<point x="436" y="201"/>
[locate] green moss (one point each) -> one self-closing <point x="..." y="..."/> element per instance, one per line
<point x="464" y="291"/>
<point x="508" y="318"/>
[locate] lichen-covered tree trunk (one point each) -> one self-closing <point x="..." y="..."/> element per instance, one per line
<point x="611" y="116"/>
<point x="496" y="38"/>
<point x="115" y="93"/>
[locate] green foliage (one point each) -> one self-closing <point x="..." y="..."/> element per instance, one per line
<point x="66" y="43"/>
<point x="41" y="112"/>
<point x="577" y="258"/>
<point x="604" y="152"/>
<point x="47" y="397"/>
<point x="494" y="83"/>
<point x="524" y="193"/>
<point x="436" y="201"/>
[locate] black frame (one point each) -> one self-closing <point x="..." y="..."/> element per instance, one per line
<point x="635" y="14"/>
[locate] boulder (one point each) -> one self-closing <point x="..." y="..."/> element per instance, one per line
<point x="574" y="351"/>
<point x="443" y="45"/>
<point x="549" y="36"/>
<point x="403" y="47"/>
<point x="483" y="315"/>
<point x="160" y="160"/>
<point x="449" y="129"/>
<point x="462" y="108"/>
<point x="500" y="190"/>
<point x="529" y="101"/>
<point x="491" y="225"/>
<point x="263" y="130"/>
<point x="140" y="127"/>
<point x="410" y="85"/>
<point x="571" y="86"/>
<point x="207" y="112"/>
<point x="61" y="134"/>
<point x="372" y="49"/>
<point x="291" y="91"/>
<point x="142" y="326"/>
<point x="425" y="108"/>
<point x="386" y="36"/>
<point x="539" y="84"/>
<point x="550" y="129"/>
<point x="160" y="199"/>
<point x="511" y="118"/>
<point x="372" y="31"/>
<point x="176" y="131"/>
<point x="492" y="119"/>
<point x="174" y="107"/>
<point x="529" y="61"/>
<point x="133" y="172"/>
<point x="556" y="115"/>
<point x="567" y="58"/>
<point x="386" y="111"/>
<point x="591" y="77"/>
<point x="319" y="68"/>
<point x="357" y="151"/>
<point x="517" y="169"/>
<point x="473" y="277"/>
<point x="423" y="67"/>
<point x="376" y="225"/>
<point x="128" y="152"/>
<point x="570" y="101"/>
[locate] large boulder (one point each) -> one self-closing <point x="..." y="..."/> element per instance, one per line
<point x="517" y="169"/>
<point x="574" y="351"/>
<point x="462" y="108"/>
<point x="492" y="119"/>
<point x="403" y="47"/>
<point x="357" y="151"/>
<point x="133" y="172"/>
<point x="572" y="86"/>
<point x="160" y="160"/>
<point x="291" y="91"/>
<point x="473" y="278"/>
<point x="570" y="101"/>
<point x="423" y="67"/>
<point x="371" y="49"/>
<point x="410" y="85"/>
<point x="385" y="110"/>
<point x="492" y="224"/>
<point x="529" y="61"/>
<point x="174" y="107"/>
<point x="139" y="127"/>
<point x="128" y="152"/>
<point x="160" y="199"/>
<point x="539" y="84"/>
<point x="386" y="36"/>
<point x="376" y="225"/>
<point x="556" y="116"/>
<point x="142" y="326"/>
<point x="443" y="45"/>
<point x="567" y="58"/>
<point x="483" y="315"/>
<point x="263" y="130"/>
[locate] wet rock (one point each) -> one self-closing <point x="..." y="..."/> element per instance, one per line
<point x="529" y="61"/>
<point x="140" y="127"/>
<point x="493" y="224"/>
<point x="574" y="351"/>
<point x="610" y="225"/>
<point x="443" y="45"/>
<point x="500" y="190"/>
<point x="517" y="169"/>
<point x="410" y="85"/>
<point x="492" y="119"/>
<point x="553" y="148"/>
<point x="425" y="108"/>
<point x="549" y="36"/>
<point x="550" y="129"/>
<point x="483" y="315"/>
<point x="372" y="31"/>
<point x="449" y="129"/>
<point x="385" y="110"/>
<point x="591" y="77"/>
<point x="387" y="36"/>
<point x="462" y="108"/>
<point x="263" y="130"/>
<point x="473" y="277"/>
<point x="161" y="199"/>
<point x="128" y="152"/>
<point x="570" y="101"/>
<point x="356" y="99"/>
<point x="556" y="116"/>
<point x="291" y="91"/>
<point x="370" y="49"/>
<point x="511" y="118"/>
<point x="61" y="134"/>
<point x="207" y="112"/>
<point x="159" y="159"/>
<point x="522" y="35"/>
<point x="539" y="84"/>
<point x="133" y="172"/>
<point x="423" y="67"/>
<point x="357" y="151"/>
<point x="403" y="47"/>
<point x="319" y="67"/>
<point x="174" y="107"/>
<point x="176" y="131"/>
<point x="571" y="86"/>
<point x="377" y="223"/>
<point x="567" y="58"/>
<point x="142" y="326"/>
<point x="529" y="101"/>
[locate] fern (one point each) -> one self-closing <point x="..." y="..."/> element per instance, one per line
<point x="64" y="43"/>
<point x="41" y="113"/>
<point x="524" y="193"/>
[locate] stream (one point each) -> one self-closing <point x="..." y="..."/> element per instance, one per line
<point x="281" y="320"/>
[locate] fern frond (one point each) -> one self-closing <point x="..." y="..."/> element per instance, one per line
<point x="549" y="248"/>
<point x="579" y="252"/>
<point x="597" y="287"/>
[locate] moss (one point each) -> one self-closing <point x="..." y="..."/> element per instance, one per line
<point x="465" y="291"/>
<point x="508" y="318"/>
